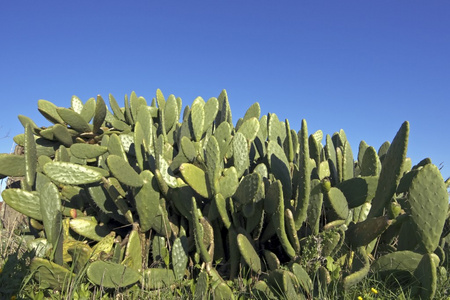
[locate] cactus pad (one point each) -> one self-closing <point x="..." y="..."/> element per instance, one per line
<point x="87" y="150"/>
<point x="27" y="203"/>
<point x="196" y="178"/>
<point x="157" y="278"/>
<point x="391" y="171"/>
<point x="69" y="173"/>
<point x="123" y="171"/>
<point x="50" y="274"/>
<point x="111" y="275"/>
<point x="248" y="253"/>
<point x="427" y="202"/>
<point x="12" y="165"/>
<point x="180" y="257"/>
<point x="89" y="228"/>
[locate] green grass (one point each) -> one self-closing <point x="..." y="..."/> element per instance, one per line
<point x="16" y="282"/>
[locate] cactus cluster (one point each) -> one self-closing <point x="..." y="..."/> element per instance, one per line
<point x="155" y="194"/>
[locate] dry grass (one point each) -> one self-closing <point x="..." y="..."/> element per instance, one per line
<point x="14" y="256"/>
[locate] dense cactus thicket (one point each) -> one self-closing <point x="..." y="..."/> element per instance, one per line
<point x="132" y="196"/>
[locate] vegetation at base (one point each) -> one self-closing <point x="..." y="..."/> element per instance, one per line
<point x="134" y="203"/>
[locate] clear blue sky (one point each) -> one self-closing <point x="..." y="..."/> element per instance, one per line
<point x="363" y="66"/>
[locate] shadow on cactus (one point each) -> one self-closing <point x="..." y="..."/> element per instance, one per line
<point x="159" y="196"/>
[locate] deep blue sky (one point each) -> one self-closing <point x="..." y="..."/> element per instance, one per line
<point x="364" y="66"/>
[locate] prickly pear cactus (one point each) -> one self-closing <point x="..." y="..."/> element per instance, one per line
<point x="153" y="195"/>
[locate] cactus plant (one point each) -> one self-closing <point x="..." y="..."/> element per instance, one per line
<point x="200" y="193"/>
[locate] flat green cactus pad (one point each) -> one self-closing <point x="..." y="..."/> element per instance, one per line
<point x="180" y="257"/>
<point x="88" y="110"/>
<point x="99" y="115"/>
<point x="111" y="275"/>
<point x="336" y="200"/>
<point x="104" y="246"/>
<point x="87" y="150"/>
<point x="358" y="190"/>
<point x="50" y="274"/>
<point x="202" y="286"/>
<point x="397" y="261"/>
<point x="362" y="233"/>
<point x="196" y="178"/>
<point x="70" y="173"/>
<point x="73" y="119"/>
<point x="427" y="276"/>
<point x="427" y="202"/>
<point x="77" y="105"/>
<point x="62" y="134"/>
<point x="80" y="254"/>
<point x="123" y="171"/>
<point x="228" y="182"/>
<point x="157" y="278"/>
<point x="302" y="277"/>
<point x="89" y="228"/>
<point x="12" y="165"/>
<point x="48" y="110"/>
<point x="223" y="292"/>
<point x="27" y="203"/>
<point x="262" y="291"/>
<point x="282" y="283"/>
<point x="51" y="210"/>
<point x="248" y="253"/>
<point x="392" y="167"/>
<point x="133" y="253"/>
